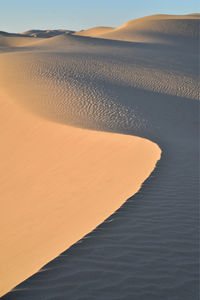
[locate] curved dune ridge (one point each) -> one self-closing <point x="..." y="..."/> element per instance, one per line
<point x="59" y="182"/>
<point x="156" y="28"/>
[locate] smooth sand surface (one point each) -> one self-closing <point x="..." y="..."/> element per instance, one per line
<point x="147" y="89"/>
<point x="13" y="41"/>
<point x="57" y="182"/>
<point x="156" y="28"/>
<point x="95" y="31"/>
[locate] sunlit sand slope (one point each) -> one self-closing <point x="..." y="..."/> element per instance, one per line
<point x="156" y="28"/>
<point x="15" y="41"/>
<point x="57" y="184"/>
<point x="95" y="31"/>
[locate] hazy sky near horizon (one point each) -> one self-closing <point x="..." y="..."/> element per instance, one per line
<point x="21" y="15"/>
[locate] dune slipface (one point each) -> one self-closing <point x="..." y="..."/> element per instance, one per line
<point x="59" y="182"/>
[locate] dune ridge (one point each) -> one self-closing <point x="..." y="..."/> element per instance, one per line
<point x="68" y="181"/>
<point x="147" y="88"/>
<point x="155" y="28"/>
<point x="60" y="182"/>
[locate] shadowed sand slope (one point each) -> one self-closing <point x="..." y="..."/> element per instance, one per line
<point x="156" y="28"/>
<point x="148" y="248"/>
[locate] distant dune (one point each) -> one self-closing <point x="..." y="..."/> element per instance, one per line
<point x="83" y="122"/>
<point x="46" y="33"/>
<point x="35" y="33"/>
<point x="28" y="37"/>
<point x="4" y="33"/>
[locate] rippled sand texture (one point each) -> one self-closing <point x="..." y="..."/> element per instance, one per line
<point x="148" y="87"/>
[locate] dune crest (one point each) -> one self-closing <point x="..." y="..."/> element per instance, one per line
<point x="95" y="31"/>
<point x="156" y="28"/>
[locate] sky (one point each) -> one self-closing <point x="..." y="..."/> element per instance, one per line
<point x="21" y="15"/>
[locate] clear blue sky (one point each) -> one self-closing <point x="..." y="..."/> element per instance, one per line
<point x="21" y="15"/>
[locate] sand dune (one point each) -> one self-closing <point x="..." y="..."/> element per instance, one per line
<point x="95" y="31"/>
<point x="46" y="33"/>
<point x="4" y="33"/>
<point x="156" y="28"/>
<point x="59" y="182"/>
<point x="7" y="41"/>
<point x="28" y="37"/>
<point x="37" y="33"/>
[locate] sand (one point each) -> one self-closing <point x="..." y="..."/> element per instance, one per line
<point x="151" y="29"/>
<point x="145" y="88"/>
<point x="45" y="33"/>
<point x="57" y="182"/>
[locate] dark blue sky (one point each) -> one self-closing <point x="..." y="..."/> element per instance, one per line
<point x="21" y="15"/>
